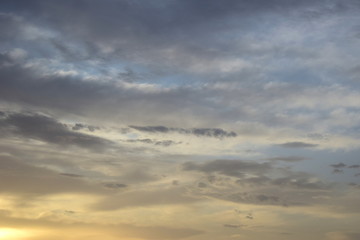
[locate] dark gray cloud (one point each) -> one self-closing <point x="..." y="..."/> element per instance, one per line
<point x="297" y="145"/>
<point x="337" y="171"/>
<point x="266" y="198"/>
<point x="255" y="198"/>
<point x="354" y="166"/>
<point x="233" y="225"/>
<point x="75" y="95"/>
<point x="79" y="126"/>
<point x="44" y="128"/>
<point x="338" y="165"/>
<point x="115" y="185"/>
<point x="28" y="87"/>
<point x="257" y="183"/>
<point x="200" y="132"/>
<point x="234" y="168"/>
<point x="167" y="35"/>
<point x="299" y="182"/>
<point x="164" y="143"/>
<point x="71" y="175"/>
<point x="287" y="159"/>
<point x="9" y="25"/>
<point x="153" y="129"/>
<point x="355" y="185"/>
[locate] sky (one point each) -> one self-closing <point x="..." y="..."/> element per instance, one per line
<point x="179" y="119"/>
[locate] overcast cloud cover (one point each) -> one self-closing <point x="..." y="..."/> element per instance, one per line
<point x="179" y="119"/>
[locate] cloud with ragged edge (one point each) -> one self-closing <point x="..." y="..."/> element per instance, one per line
<point x="200" y="132"/>
<point x="164" y="143"/>
<point x="47" y="129"/>
<point x="153" y="119"/>
<point x="252" y="182"/>
<point x="297" y="145"/>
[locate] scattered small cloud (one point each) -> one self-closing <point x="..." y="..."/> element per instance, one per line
<point x="233" y="225"/>
<point x="354" y="166"/>
<point x="115" y="185"/>
<point x="287" y="159"/>
<point x="297" y="145"/>
<point x="337" y="171"/>
<point x="338" y="165"/>
<point x="200" y="132"/>
<point x="164" y="143"/>
<point x="71" y="175"/>
<point x="79" y="126"/>
<point x="235" y="168"/>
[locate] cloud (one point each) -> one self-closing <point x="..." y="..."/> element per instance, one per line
<point x="200" y="132"/>
<point x="343" y="235"/>
<point x="202" y="185"/>
<point x="25" y="180"/>
<point x="47" y="129"/>
<point x="233" y="225"/>
<point x="337" y="171"/>
<point x="183" y="74"/>
<point x="72" y="175"/>
<point x="287" y="159"/>
<point x="257" y="183"/>
<point x="115" y="185"/>
<point x="164" y="143"/>
<point x="297" y="145"/>
<point x="234" y="168"/>
<point x="339" y="165"/>
<point x="79" y="126"/>
<point x="254" y="198"/>
<point x="299" y="182"/>
<point x="144" y="198"/>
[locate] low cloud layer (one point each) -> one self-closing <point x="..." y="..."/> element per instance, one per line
<point x="47" y="129"/>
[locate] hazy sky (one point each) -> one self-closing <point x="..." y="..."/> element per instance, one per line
<point x="179" y="119"/>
